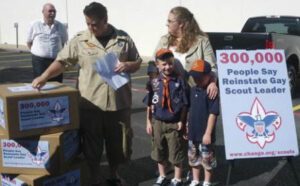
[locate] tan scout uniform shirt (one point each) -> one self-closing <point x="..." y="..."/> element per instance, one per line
<point x="83" y="50"/>
<point x="202" y="49"/>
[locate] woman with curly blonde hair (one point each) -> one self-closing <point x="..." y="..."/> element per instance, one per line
<point x="188" y="43"/>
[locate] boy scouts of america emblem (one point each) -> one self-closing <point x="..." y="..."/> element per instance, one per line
<point x="39" y="157"/>
<point x="258" y="124"/>
<point x="57" y="112"/>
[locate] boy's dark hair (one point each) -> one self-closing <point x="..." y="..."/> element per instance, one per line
<point x="152" y="67"/>
<point x="96" y="10"/>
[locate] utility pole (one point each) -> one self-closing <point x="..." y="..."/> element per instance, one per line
<point x="16" y="25"/>
<point x="67" y="17"/>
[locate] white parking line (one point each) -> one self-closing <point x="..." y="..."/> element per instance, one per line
<point x="139" y="90"/>
<point x="14" y="55"/>
<point x="18" y="60"/>
<point x="139" y="77"/>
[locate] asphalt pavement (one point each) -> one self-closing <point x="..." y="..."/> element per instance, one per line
<point x="141" y="171"/>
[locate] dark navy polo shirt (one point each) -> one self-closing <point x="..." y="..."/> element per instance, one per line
<point x="200" y="108"/>
<point x="178" y="98"/>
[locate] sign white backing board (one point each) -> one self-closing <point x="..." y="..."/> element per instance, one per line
<point x="256" y="104"/>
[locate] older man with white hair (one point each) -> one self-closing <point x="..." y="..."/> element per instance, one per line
<point x="45" y="39"/>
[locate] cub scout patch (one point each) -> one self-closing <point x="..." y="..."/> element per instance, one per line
<point x="90" y="45"/>
<point x="155" y="84"/>
<point x="121" y="44"/>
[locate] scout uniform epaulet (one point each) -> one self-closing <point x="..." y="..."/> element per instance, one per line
<point x="84" y="38"/>
<point x="80" y="33"/>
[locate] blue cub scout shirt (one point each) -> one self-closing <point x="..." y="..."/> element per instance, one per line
<point x="177" y="97"/>
<point x="200" y="108"/>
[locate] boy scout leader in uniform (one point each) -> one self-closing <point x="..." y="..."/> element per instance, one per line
<point x="105" y="112"/>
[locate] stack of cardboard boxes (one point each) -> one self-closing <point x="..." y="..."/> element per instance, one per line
<point x="39" y="137"/>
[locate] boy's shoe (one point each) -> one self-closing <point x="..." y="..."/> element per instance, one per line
<point x="161" y="181"/>
<point x="206" y="184"/>
<point x="174" y="182"/>
<point x="194" y="183"/>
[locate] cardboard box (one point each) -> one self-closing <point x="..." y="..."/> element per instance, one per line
<point x="43" y="155"/>
<point x="25" y="111"/>
<point x="75" y="176"/>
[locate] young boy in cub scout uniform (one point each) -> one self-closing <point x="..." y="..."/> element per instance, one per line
<point x="105" y="112"/>
<point x="203" y="113"/>
<point x="166" y="118"/>
<point x="152" y="73"/>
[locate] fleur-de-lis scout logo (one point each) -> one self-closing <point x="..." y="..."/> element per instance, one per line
<point x="56" y="113"/>
<point x="258" y="124"/>
<point x="40" y="157"/>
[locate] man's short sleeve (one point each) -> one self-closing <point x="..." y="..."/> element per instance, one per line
<point x="133" y="54"/>
<point x="30" y="33"/>
<point x="68" y="56"/>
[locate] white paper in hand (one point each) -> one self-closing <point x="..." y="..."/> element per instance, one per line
<point x="105" y="67"/>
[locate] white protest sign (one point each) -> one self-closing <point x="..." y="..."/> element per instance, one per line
<point x="256" y="104"/>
